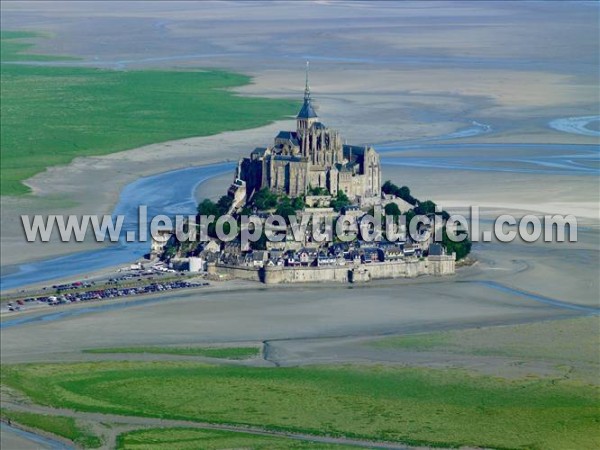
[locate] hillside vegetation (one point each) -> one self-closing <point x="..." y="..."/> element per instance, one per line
<point x="52" y="114"/>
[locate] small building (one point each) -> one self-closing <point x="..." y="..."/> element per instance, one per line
<point x="211" y="246"/>
<point x="339" y="248"/>
<point x="259" y="258"/>
<point x="232" y="248"/>
<point x="237" y="191"/>
<point x="318" y="201"/>
<point x="369" y="255"/>
<point x="353" y="257"/>
<point x="409" y="250"/>
<point x="196" y="264"/>
<point x="306" y="256"/>
<point x="292" y="260"/>
<point x="324" y="259"/>
<point x="352" y="210"/>
<point x="276" y="254"/>
<point x="390" y="253"/>
<point x="159" y="240"/>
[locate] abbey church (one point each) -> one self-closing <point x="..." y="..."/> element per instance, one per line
<point x="312" y="156"/>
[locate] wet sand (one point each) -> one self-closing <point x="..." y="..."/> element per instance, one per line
<point x="266" y="314"/>
<point x="380" y="73"/>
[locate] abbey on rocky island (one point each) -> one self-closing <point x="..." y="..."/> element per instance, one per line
<point x="312" y="159"/>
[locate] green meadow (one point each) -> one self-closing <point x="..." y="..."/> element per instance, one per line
<point x="16" y="46"/>
<point x="65" y="427"/>
<point x="573" y="340"/>
<point x="52" y="114"/>
<point x="409" y="405"/>
<point x="209" y="352"/>
<point x="193" y="439"/>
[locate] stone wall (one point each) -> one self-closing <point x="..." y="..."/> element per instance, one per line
<point x="439" y="265"/>
<point x="442" y="265"/>
<point x="434" y="265"/>
<point x="242" y="273"/>
<point x="277" y="275"/>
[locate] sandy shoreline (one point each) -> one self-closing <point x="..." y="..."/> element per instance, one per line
<point x="389" y="95"/>
<point x="488" y="73"/>
<point x="388" y="98"/>
<point x="92" y="185"/>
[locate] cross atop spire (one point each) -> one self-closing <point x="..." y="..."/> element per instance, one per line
<point x="307" y="111"/>
<point x="307" y="87"/>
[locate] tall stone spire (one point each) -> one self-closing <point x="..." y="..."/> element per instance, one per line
<point x="306" y="86"/>
<point x="307" y="111"/>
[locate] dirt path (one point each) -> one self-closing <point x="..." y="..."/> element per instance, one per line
<point x="120" y="424"/>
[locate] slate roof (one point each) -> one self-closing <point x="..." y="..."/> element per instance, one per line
<point x="286" y="135"/>
<point x="287" y="158"/>
<point x="307" y="111"/>
<point x="436" y="250"/>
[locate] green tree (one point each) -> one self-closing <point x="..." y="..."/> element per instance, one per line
<point x="298" y="203"/>
<point x="265" y="199"/>
<point x="461" y="249"/>
<point x="410" y="214"/>
<point x="285" y="209"/>
<point x="317" y="191"/>
<point x="340" y="201"/>
<point x="208" y="208"/>
<point x="404" y="194"/>
<point x="224" y="204"/>
<point x="261" y="243"/>
<point x="389" y="188"/>
<point x="426" y="207"/>
<point x="391" y="209"/>
<point x="400" y="192"/>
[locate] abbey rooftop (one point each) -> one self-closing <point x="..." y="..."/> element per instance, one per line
<point x="312" y="159"/>
<point x="310" y="177"/>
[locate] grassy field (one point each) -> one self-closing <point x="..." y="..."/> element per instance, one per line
<point x="16" y="45"/>
<point x="65" y="427"/>
<point x="51" y="115"/>
<point x="559" y="341"/>
<point x="418" y="406"/>
<point x="193" y="439"/>
<point x="210" y="352"/>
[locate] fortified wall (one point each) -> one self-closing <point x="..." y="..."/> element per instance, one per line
<point x="432" y="265"/>
<point x="239" y="272"/>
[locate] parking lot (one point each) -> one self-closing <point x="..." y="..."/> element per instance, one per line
<point x="131" y="283"/>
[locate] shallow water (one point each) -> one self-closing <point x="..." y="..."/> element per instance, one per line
<point x="172" y="192"/>
<point x="544" y="159"/>
<point x="37" y="441"/>
<point x="538" y="298"/>
<point x="576" y="125"/>
<point x="166" y="193"/>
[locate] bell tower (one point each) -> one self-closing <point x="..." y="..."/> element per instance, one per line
<point x="307" y="115"/>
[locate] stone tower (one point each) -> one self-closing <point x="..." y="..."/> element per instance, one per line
<point x="307" y="115"/>
<point x="312" y="157"/>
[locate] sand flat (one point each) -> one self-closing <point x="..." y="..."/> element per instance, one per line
<point x="435" y="70"/>
<point x="380" y="73"/>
